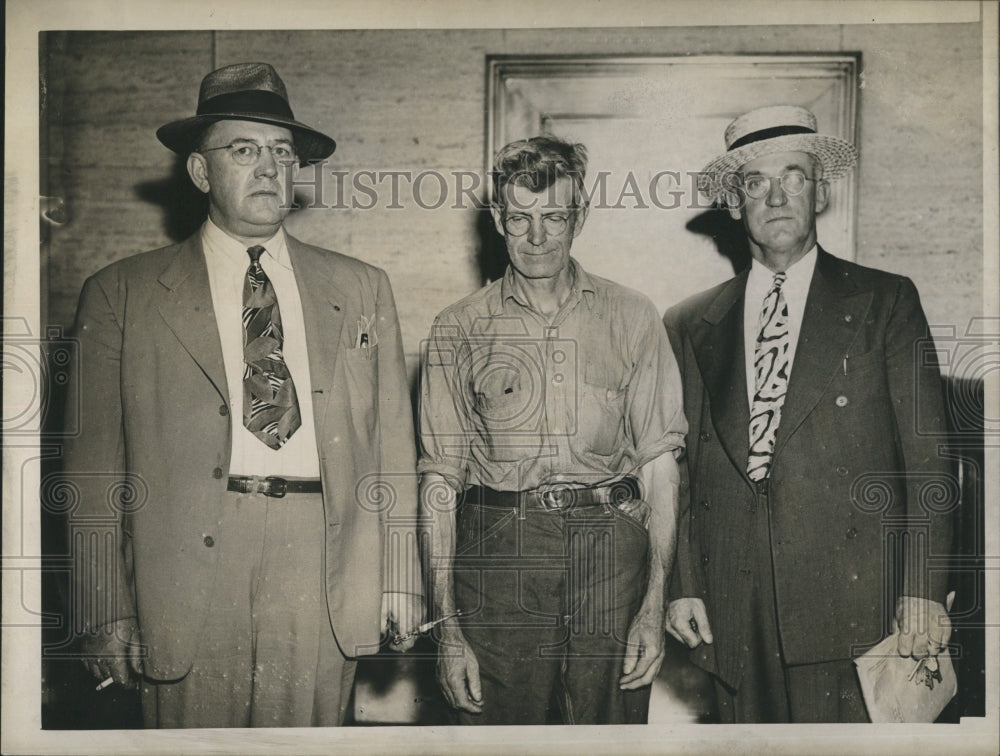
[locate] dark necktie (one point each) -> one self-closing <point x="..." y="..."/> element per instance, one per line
<point x="771" y="368"/>
<point x="270" y="406"/>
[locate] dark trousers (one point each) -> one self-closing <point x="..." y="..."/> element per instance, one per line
<point x="770" y="690"/>
<point x="547" y="599"/>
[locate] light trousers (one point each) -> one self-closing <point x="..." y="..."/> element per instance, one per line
<point x="267" y="655"/>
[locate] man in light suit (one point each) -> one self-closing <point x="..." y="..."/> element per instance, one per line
<point x="810" y="520"/>
<point x="244" y="407"/>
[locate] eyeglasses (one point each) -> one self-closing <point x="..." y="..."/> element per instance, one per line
<point x="518" y="225"/>
<point x="792" y="183"/>
<point x="247" y="153"/>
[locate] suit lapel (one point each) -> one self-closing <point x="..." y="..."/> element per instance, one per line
<point x="187" y="309"/>
<point x="717" y="341"/>
<point x="835" y="311"/>
<point x="323" y="309"/>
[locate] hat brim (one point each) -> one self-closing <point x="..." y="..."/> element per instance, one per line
<point x="182" y="136"/>
<point x="837" y="156"/>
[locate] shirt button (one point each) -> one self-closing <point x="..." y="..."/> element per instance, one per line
<point x="841" y="401"/>
<point x="223" y="410"/>
<point x="217" y="473"/>
<point x="852" y="532"/>
<point x="209" y="541"/>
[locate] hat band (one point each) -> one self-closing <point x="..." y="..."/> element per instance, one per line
<point x="776" y="131"/>
<point x="248" y="101"/>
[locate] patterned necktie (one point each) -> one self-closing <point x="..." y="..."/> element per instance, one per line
<point x="270" y="406"/>
<point x="771" y="368"/>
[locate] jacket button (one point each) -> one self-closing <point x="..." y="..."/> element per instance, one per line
<point x="842" y="471"/>
<point x="848" y="318"/>
<point x="223" y="410"/>
<point x="209" y="541"/>
<point x="704" y="503"/>
<point x="704" y="558"/>
<point x="852" y="532"/>
<point x="217" y="473"/>
<point x="841" y="401"/>
<point x="705" y="436"/>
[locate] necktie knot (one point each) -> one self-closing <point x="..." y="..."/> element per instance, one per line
<point x="779" y="279"/>
<point x="255" y="252"/>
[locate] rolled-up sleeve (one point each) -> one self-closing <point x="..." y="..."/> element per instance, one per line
<point x="444" y="405"/>
<point x="654" y="400"/>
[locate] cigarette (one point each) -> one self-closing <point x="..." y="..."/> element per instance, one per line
<point x="428" y="625"/>
<point x="104" y="683"/>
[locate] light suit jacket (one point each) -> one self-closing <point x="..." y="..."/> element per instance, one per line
<point x="861" y="500"/>
<point x="149" y="467"/>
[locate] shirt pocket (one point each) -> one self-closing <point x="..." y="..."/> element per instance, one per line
<point x="601" y="412"/>
<point x="510" y="418"/>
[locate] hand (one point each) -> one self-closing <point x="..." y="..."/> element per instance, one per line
<point x="113" y="650"/>
<point x="923" y="625"/>
<point x="687" y="621"/>
<point x="458" y="672"/>
<point x="402" y="613"/>
<point x="644" y="652"/>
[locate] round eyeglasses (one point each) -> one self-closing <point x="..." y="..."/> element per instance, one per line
<point x="792" y="183"/>
<point x="248" y="153"/>
<point x="518" y="225"/>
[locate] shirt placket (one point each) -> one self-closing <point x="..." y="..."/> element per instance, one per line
<point x="561" y="379"/>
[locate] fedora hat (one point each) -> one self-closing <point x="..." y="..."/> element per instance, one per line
<point x="777" y="128"/>
<point x="244" y="92"/>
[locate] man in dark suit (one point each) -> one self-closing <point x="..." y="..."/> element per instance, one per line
<point x="243" y="402"/>
<point x="808" y="512"/>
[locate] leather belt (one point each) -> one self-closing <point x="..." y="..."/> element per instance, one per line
<point x="559" y="498"/>
<point x="272" y="486"/>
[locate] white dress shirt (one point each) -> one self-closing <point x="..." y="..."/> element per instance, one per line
<point x="227" y="262"/>
<point x="795" y="290"/>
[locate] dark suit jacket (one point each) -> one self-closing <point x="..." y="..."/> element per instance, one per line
<point x="856" y="467"/>
<point x="153" y="402"/>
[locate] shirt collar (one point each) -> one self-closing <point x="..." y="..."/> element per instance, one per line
<point x="581" y="283"/>
<point x="217" y="241"/>
<point x="799" y="273"/>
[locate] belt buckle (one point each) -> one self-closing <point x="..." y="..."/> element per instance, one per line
<point x="551" y="499"/>
<point x="556" y="499"/>
<point x="277" y="487"/>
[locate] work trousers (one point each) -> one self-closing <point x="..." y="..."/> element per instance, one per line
<point x="547" y="599"/>
<point x="267" y="656"/>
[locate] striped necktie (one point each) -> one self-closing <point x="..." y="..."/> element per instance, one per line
<point x="771" y="368"/>
<point x="270" y="406"/>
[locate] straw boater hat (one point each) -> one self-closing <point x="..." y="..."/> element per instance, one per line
<point x="244" y="92"/>
<point x="778" y="128"/>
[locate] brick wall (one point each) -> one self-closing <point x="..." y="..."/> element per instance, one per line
<point x="416" y="100"/>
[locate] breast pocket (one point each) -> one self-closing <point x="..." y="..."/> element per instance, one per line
<point x="601" y="412"/>
<point x="510" y="422"/>
<point x="361" y="370"/>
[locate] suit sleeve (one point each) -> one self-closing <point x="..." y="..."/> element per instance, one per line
<point x="916" y="389"/>
<point x="684" y="578"/>
<point x="94" y="470"/>
<point x="397" y="451"/>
